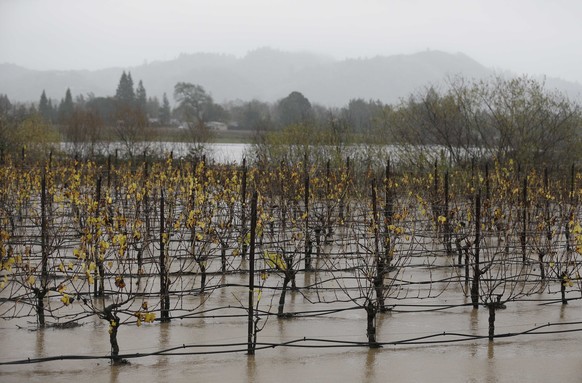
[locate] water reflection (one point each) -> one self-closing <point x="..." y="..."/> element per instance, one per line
<point x="506" y="359"/>
<point x="251" y="368"/>
<point x="474" y="325"/>
<point x="562" y="311"/>
<point x="369" y="368"/>
<point x="491" y="363"/>
<point x="490" y="350"/>
<point x="114" y="373"/>
<point x="164" y="342"/>
<point x="40" y="351"/>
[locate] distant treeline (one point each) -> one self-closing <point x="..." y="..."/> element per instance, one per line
<point x="516" y="118"/>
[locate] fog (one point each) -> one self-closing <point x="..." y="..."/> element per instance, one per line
<point x="522" y="36"/>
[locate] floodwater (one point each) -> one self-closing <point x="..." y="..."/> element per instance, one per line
<point x="526" y="358"/>
<point x="222" y="153"/>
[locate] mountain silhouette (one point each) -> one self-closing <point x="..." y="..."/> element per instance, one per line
<point x="265" y="74"/>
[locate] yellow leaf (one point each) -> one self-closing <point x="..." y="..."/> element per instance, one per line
<point x="275" y="260"/>
<point x="66" y="299"/>
<point x="150" y="317"/>
<point x="31" y="279"/>
<point x="103" y="245"/>
<point x="89" y="277"/>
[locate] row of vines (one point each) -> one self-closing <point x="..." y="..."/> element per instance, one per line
<point x="132" y="242"/>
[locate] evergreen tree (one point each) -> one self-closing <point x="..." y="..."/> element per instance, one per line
<point x="141" y="97"/>
<point x="153" y="107"/>
<point x="66" y="107"/>
<point x="125" y="94"/>
<point x="44" y="107"/>
<point x="165" y="111"/>
<point x="5" y="104"/>
<point x="52" y="111"/>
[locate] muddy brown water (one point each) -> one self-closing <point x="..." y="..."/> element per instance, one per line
<point x="526" y="358"/>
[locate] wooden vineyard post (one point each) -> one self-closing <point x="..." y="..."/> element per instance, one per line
<point x="342" y="206"/>
<point x="447" y="224"/>
<point x="524" y="220"/>
<point x="571" y="210"/>
<point x="40" y="294"/>
<point x="388" y="214"/>
<point x="308" y="245"/>
<point x="476" y="266"/>
<point x="436" y="208"/>
<point x="572" y="182"/>
<point x="146" y="215"/>
<point x="487" y="187"/>
<point x="328" y="231"/>
<point x="467" y="265"/>
<point x="547" y="224"/>
<point x="99" y="281"/>
<point x="472" y="172"/>
<point x="378" y="259"/>
<point x="164" y="285"/>
<point x="109" y="172"/>
<point x="487" y="199"/>
<point x="243" y="216"/>
<point x="547" y="215"/>
<point x="251" y="324"/>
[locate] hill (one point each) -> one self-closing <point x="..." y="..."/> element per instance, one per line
<point x="265" y="74"/>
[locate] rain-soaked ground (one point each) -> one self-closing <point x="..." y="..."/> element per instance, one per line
<point x="550" y="357"/>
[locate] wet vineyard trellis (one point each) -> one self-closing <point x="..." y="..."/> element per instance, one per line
<point x="132" y="242"/>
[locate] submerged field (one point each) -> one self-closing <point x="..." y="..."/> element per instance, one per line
<point x="324" y="271"/>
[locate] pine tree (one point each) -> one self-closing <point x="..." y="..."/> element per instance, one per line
<point x="66" y="107"/>
<point x="44" y="108"/>
<point x="5" y="105"/>
<point x="165" y="111"/>
<point x="53" y="113"/>
<point x="125" y="94"/>
<point x="153" y="107"/>
<point x="141" y="97"/>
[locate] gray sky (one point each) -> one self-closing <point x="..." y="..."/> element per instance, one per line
<point x="524" y="36"/>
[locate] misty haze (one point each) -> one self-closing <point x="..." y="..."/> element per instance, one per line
<point x="290" y="191"/>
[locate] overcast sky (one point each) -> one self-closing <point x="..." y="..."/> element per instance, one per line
<point x="524" y="36"/>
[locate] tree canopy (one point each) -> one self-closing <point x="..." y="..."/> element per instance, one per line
<point x="125" y="93"/>
<point x="294" y="109"/>
<point x="193" y="102"/>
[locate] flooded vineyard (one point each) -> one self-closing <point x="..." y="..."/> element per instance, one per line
<point x="178" y="270"/>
